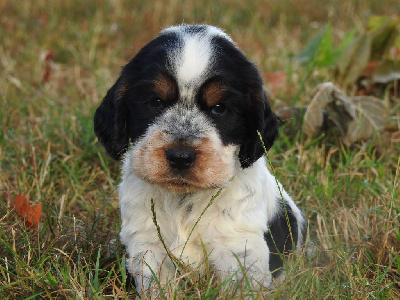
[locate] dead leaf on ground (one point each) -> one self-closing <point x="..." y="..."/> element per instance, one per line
<point x="323" y="105"/>
<point x="385" y="34"/>
<point x="380" y="42"/>
<point x="371" y="117"/>
<point x="387" y="71"/>
<point x="358" y="118"/>
<point x="31" y="214"/>
<point x="48" y="56"/>
<point x="354" y="58"/>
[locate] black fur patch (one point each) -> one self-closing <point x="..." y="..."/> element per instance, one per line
<point x="280" y="239"/>
<point x="244" y="76"/>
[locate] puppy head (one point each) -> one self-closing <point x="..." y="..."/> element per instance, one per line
<point x="191" y="104"/>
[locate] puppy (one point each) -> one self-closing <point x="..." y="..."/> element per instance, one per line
<point x="184" y="117"/>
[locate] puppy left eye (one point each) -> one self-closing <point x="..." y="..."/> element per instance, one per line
<point x="157" y="104"/>
<point x="218" y="109"/>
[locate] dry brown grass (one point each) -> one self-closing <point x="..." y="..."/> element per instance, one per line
<point x="48" y="150"/>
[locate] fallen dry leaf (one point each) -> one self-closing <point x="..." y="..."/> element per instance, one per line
<point x="386" y="72"/>
<point x="371" y="117"/>
<point x="325" y="105"/>
<point x="354" y="59"/>
<point x="47" y="70"/>
<point x="379" y="43"/>
<point x="31" y="214"/>
<point x="358" y="118"/>
<point x="385" y="32"/>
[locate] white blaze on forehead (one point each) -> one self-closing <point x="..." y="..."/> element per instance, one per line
<point x="194" y="57"/>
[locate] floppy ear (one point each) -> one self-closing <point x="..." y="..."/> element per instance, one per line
<point x="110" y="121"/>
<point x="260" y="118"/>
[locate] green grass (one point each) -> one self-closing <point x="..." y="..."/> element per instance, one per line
<point x="48" y="150"/>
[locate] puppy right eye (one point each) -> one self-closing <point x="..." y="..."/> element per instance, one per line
<point x="218" y="109"/>
<point x="157" y="104"/>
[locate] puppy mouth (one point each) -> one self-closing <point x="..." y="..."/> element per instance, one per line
<point x="182" y="184"/>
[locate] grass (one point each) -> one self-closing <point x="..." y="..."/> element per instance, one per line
<point x="48" y="151"/>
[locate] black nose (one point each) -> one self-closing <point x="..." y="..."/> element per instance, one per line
<point x="180" y="158"/>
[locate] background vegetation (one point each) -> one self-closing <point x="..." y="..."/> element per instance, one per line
<point x="57" y="60"/>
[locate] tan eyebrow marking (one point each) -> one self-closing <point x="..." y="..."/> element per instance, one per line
<point x="164" y="87"/>
<point x="213" y="93"/>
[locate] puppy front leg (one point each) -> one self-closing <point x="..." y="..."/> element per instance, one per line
<point x="144" y="264"/>
<point x="245" y="256"/>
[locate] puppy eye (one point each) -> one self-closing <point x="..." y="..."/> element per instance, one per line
<point x="218" y="109"/>
<point x="157" y="104"/>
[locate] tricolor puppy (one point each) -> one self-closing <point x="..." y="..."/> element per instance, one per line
<point x="183" y="116"/>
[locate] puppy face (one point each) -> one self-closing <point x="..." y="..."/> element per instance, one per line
<point x="191" y="104"/>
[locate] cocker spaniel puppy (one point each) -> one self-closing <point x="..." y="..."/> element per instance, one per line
<point x="183" y="116"/>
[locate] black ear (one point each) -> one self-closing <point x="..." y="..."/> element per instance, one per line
<point x="260" y="118"/>
<point x="110" y="121"/>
